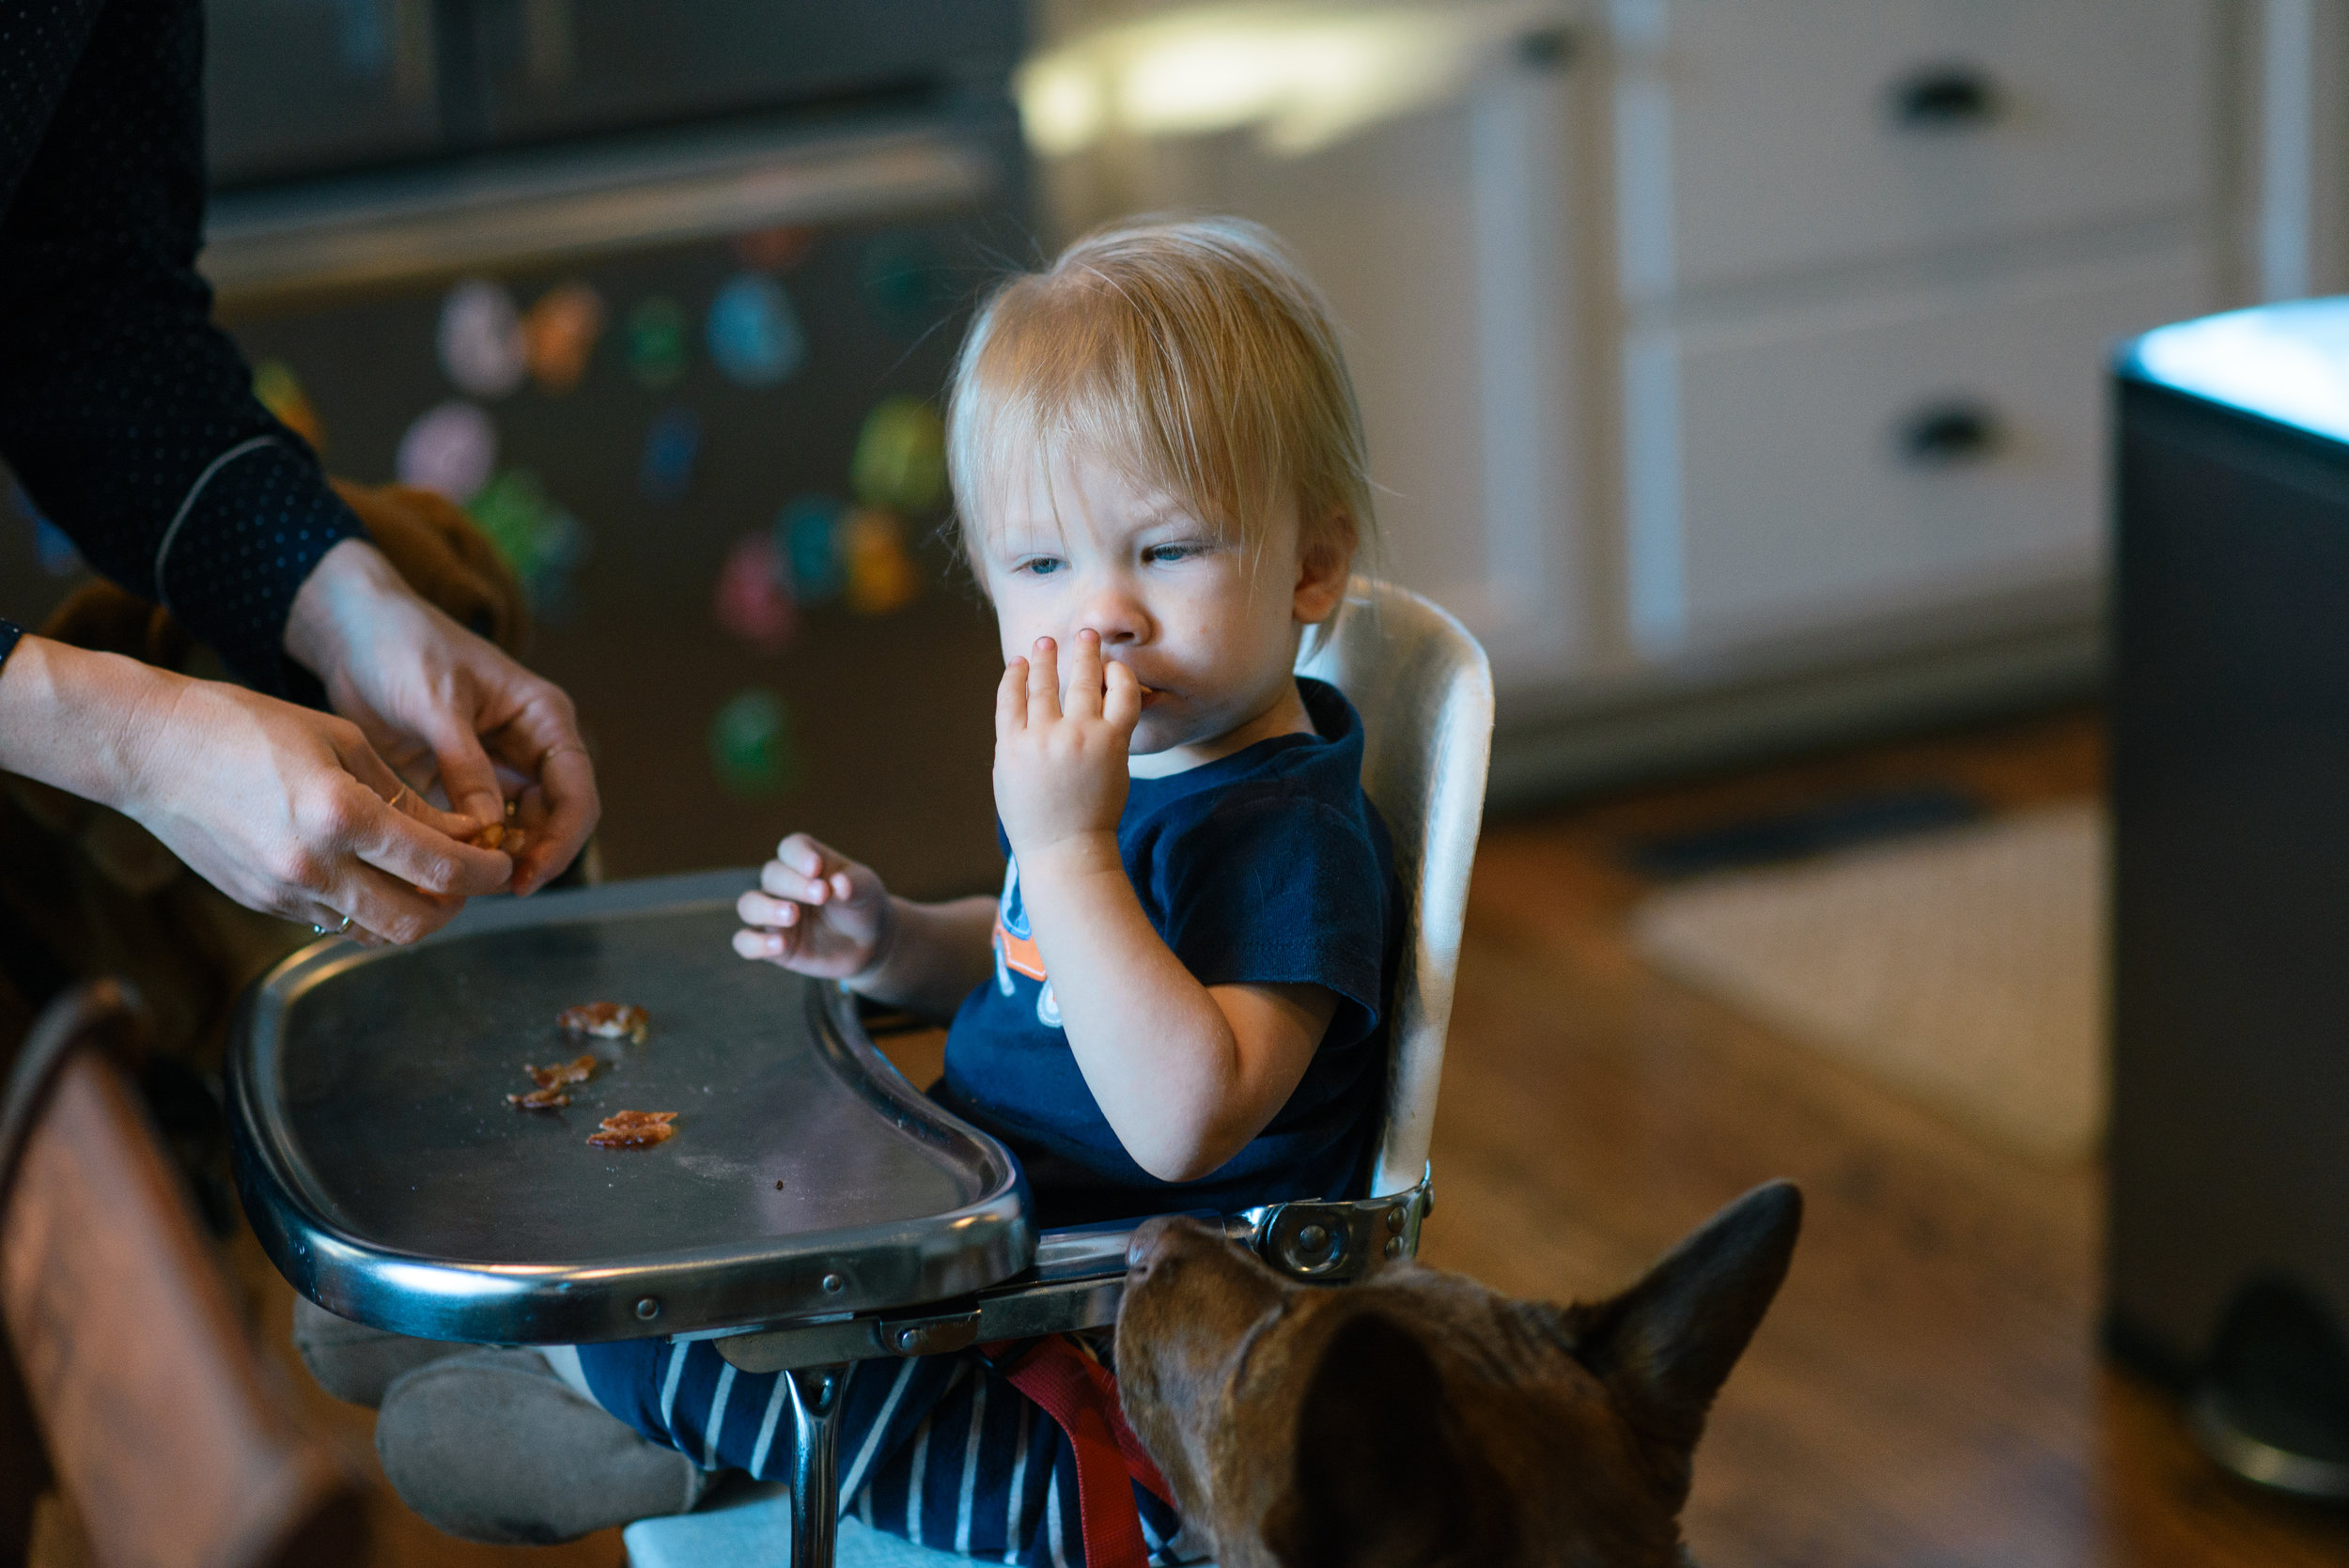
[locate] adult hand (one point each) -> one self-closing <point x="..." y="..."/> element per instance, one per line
<point x="449" y="712"/>
<point x="284" y="810"/>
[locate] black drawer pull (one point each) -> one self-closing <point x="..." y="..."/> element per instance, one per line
<point x="1944" y="97"/>
<point x="1946" y="434"/>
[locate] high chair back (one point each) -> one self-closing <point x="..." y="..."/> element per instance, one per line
<point x="1425" y="694"/>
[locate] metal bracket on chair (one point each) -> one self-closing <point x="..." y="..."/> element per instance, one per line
<point x="1336" y="1241"/>
<point x="1079" y="1277"/>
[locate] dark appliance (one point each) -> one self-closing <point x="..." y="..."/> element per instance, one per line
<point x="2228" y="1242"/>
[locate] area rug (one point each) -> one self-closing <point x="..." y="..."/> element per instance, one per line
<point x="1963" y="968"/>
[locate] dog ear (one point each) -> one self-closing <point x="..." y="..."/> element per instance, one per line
<point x="1665" y="1347"/>
<point x="1383" y="1475"/>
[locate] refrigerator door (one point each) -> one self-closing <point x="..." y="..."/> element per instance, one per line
<point x="728" y="507"/>
<point x="300" y="86"/>
<point x="542" y="69"/>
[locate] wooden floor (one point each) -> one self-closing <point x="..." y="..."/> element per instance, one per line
<point x="1927" y="1391"/>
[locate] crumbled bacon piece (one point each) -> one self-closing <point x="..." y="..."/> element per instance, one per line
<point x="635" y="1129"/>
<point x="578" y="1070"/>
<point x="545" y="1098"/>
<point x="608" y="1020"/>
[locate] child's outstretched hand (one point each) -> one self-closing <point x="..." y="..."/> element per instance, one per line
<point x="821" y="914"/>
<point x="1060" y="767"/>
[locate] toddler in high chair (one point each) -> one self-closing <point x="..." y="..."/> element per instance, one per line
<point x="1176" y="1002"/>
<point x="1179" y="1000"/>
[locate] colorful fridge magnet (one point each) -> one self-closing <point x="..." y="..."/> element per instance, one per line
<point x="481" y="339"/>
<point x="672" y="442"/>
<point x="774" y="250"/>
<point x="905" y="284"/>
<point x="754" y="596"/>
<point x="559" y="334"/>
<point x="881" y="574"/>
<point x="900" y="459"/>
<point x="753" y="333"/>
<point x="807" y="541"/>
<point x="540" y="541"/>
<point x="279" y="390"/>
<point x="751" y="745"/>
<point x="656" y="342"/>
<point x="450" y="450"/>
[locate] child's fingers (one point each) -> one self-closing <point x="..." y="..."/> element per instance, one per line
<point x="774" y="914"/>
<point x="1120" y="701"/>
<point x="762" y="944"/>
<point x="1084" y="678"/>
<point x="1011" y="700"/>
<point x="821" y="870"/>
<point x="785" y="881"/>
<point x="1044" y="681"/>
<point x="809" y="857"/>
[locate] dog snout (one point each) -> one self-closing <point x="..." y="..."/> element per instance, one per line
<point x="1152" y="1239"/>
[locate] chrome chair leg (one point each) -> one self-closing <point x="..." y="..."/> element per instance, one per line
<point x="815" y="1463"/>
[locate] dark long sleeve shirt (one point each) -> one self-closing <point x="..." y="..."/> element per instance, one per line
<point x="127" y="416"/>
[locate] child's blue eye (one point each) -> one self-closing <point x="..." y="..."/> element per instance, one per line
<point x="1040" y="566"/>
<point x="1167" y="554"/>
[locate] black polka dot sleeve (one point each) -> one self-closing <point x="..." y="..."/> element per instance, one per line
<point x="127" y="416"/>
<point x="9" y="632"/>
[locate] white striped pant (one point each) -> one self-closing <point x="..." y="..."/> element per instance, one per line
<point x="938" y="1449"/>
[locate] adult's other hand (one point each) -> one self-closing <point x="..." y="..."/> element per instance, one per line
<point x="448" y="710"/>
<point x="284" y="810"/>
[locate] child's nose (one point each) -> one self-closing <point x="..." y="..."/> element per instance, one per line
<point x="1115" y="616"/>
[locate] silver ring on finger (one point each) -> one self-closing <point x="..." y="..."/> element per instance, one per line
<point x="332" y="931"/>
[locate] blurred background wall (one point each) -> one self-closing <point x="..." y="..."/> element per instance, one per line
<point x="1737" y="372"/>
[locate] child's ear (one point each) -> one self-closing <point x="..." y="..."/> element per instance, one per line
<point x="1324" y="566"/>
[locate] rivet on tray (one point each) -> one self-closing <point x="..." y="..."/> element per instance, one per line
<point x="835" y="1284"/>
<point x="649" y="1308"/>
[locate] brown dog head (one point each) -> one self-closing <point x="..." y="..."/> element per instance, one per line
<point x="1418" y="1418"/>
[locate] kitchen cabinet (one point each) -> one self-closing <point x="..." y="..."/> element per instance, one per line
<point x="1739" y="371"/>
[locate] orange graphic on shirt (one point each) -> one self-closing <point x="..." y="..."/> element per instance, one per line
<point x="1014" y="938"/>
<point x="1019" y="954"/>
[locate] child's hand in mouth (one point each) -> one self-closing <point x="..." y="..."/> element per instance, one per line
<point x="1060" y="762"/>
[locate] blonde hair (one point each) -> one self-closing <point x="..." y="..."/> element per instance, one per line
<point x="1194" y="351"/>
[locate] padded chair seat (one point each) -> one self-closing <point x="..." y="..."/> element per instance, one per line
<point x="752" y="1529"/>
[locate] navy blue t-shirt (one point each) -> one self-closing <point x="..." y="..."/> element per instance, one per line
<point x="1269" y="866"/>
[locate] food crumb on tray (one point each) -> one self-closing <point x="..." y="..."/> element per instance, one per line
<point x="546" y="1099"/>
<point x="579" y="1069"/>
<point x="635" y="1129"/>
<point x="607" y="1021"/>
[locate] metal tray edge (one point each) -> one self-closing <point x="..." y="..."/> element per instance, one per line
<point x="861" y="1269"/>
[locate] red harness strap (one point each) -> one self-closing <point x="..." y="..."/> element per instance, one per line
<point x="1080" y="1396"/>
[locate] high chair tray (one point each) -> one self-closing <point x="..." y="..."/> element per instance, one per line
<point x="391" y="1183"/>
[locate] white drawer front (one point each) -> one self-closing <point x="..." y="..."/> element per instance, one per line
<point x="1831" y="130"/>
<point x="1845" y="468"/>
